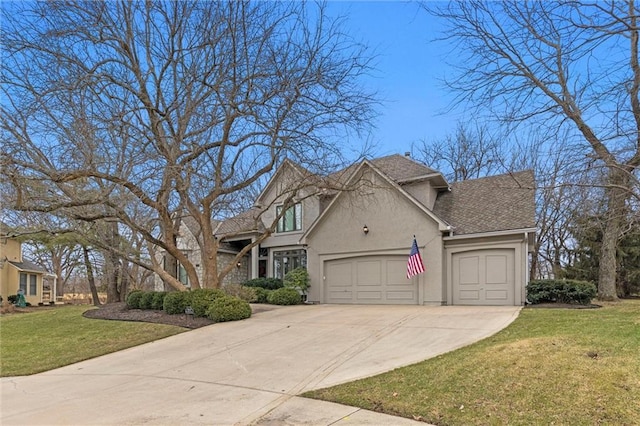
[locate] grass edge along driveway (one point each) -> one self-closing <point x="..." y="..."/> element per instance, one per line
<point x="562" y="366"/>
<point x="43" y="340"/>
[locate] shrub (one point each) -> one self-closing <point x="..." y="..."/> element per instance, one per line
<point x="297" y="279"/>
<point x="201" y="298"/>
<point x="248" y="294"/>
<point x="228" y="308"/>
<point x="175" y="302"/>
<point x="12" y="299"/>
<point x="284" y="296"/>
<point x="146" y="300"/>
<point x="561" y="291"/>
<point x="262" y="294"/>
<point x="158" y="300"/>
<point x="268" y="283"/>
<point x="133" y="299"/>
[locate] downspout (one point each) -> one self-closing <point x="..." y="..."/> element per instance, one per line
<point x="527" y="266"/>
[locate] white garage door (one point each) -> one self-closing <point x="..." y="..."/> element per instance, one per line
<point x="369" y="280"/>
<point x="484" y="277"/>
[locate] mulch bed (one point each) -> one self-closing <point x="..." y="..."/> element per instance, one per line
<point x="120" y="312"/>
<point x="564" y="306"/>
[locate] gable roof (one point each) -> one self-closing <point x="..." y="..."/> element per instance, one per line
<point x="28" y="266"/>
<point x="442" y="224"/>
<point x="246" y="222"/>
<point x="495" y="203"/>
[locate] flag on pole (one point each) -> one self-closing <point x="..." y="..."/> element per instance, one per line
<point x="414" y="264"/>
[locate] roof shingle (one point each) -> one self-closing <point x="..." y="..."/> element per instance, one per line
<point x="495" y="203"/>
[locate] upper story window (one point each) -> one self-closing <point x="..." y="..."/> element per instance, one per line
<point x="291" y="220"/>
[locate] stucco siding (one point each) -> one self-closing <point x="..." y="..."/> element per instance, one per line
<point x="392" y="220"/>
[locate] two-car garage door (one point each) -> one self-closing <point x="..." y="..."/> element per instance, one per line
<point x="484" y="277"/>
<point x="369" y="280"/>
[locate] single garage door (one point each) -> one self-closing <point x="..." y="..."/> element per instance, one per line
<point x="484" y="277"/>
<point x="369" y="280"/>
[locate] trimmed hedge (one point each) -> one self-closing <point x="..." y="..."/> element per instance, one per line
<point x="158" y="300"/>
<point x="267" y="283"/>
<point x="201" y="298"/>
<point x="146" y="301"/>
<point x="228" y="308"/>
<point x="560" y="291"/>
<point x="176" y="302"/>
<point x="133" y="299"/>
<point x="284" y="296"/>
<point x="262" y="295"/>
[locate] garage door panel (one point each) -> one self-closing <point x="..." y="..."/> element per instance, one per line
<point x="484" y="277"/>
<point x="371" y="280"/>
<point x="469" y="270"/>
<point x="368" y="273"/>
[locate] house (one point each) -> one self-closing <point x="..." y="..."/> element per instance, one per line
<point x="474" y="236"/>
<point x="17" y="272"/>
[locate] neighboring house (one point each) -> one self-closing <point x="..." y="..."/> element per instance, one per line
<point x="17" y="272"/>
<point x="474" y="236"/>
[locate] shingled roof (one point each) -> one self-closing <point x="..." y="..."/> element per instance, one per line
<point x="247" y="221"/>
<point x="401" y="168"/>
<point x="496" y="203"/>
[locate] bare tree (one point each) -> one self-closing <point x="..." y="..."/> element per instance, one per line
<point x="559" y="65"/>
<point x="472" y="152"/>
<point x="141" y="112"/>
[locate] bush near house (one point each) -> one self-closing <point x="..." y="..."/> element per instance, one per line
<point x="297" y="279"/>
<point x="228" y="308"/>
<point x="561" y="291"/>
<point x="158" y="300"/>
<point x="133" y="299"/>
<point x="284" y="296"/>
<point x="266" y="283"/>
<point x="200" y="299"/>
<point x="248" y="294"/>
<point x="175" y="302"/>
<point x="262" y="295"/>
<point x="146" y="301"/>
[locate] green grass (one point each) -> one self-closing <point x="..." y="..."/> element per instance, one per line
<point x="40" y="341"/>
<point x="551" y="366"/>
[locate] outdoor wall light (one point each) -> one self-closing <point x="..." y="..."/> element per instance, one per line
<point x="238" y="265"/>
<point x="365" y="229"/>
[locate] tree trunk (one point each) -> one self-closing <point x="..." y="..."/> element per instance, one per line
<point x="91" y="277"/>
<point x="611" y="234"/>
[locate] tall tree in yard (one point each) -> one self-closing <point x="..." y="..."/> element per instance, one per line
<point x="142" y="112"/>
<point x="563" y="66"/>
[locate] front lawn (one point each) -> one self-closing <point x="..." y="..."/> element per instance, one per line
<point x="42" y="340"/>
<point x="550" y="366"/>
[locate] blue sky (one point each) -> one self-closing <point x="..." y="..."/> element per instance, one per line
<point x="409" y="68"/>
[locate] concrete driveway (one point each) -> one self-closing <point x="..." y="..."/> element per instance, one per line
<point x="248" y="372"/>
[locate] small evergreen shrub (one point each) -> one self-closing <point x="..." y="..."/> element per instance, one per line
<point x="268" y="283"/>
<point x="158" y="300"/>
<point x="248" y="294"/>
<point x="284" y="296"/>
<point x="12" y="298"/>
<point x="175" y="302"/>
<point x="133" y="299"/>
<point x="146" y="301"/>
<point x="262" y="294"/>
<point x="561" y="291"/>
<point x="228" y="308"/>
<point x="201" y="298"/>
<point x="297" y="279"/>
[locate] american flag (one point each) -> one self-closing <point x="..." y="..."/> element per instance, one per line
<point x="414" y="264"/>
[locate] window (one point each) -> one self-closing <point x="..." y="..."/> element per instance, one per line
<point x="291" y="220"/>
<point x="32" y="281"/>
<point x="285" y="261"/>
<point x="181" y="271"/>
<point x="23" y="282"/>
<point x="33" y="285"/>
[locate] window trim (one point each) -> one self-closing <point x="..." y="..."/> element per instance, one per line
<point x="281" y="227"/>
